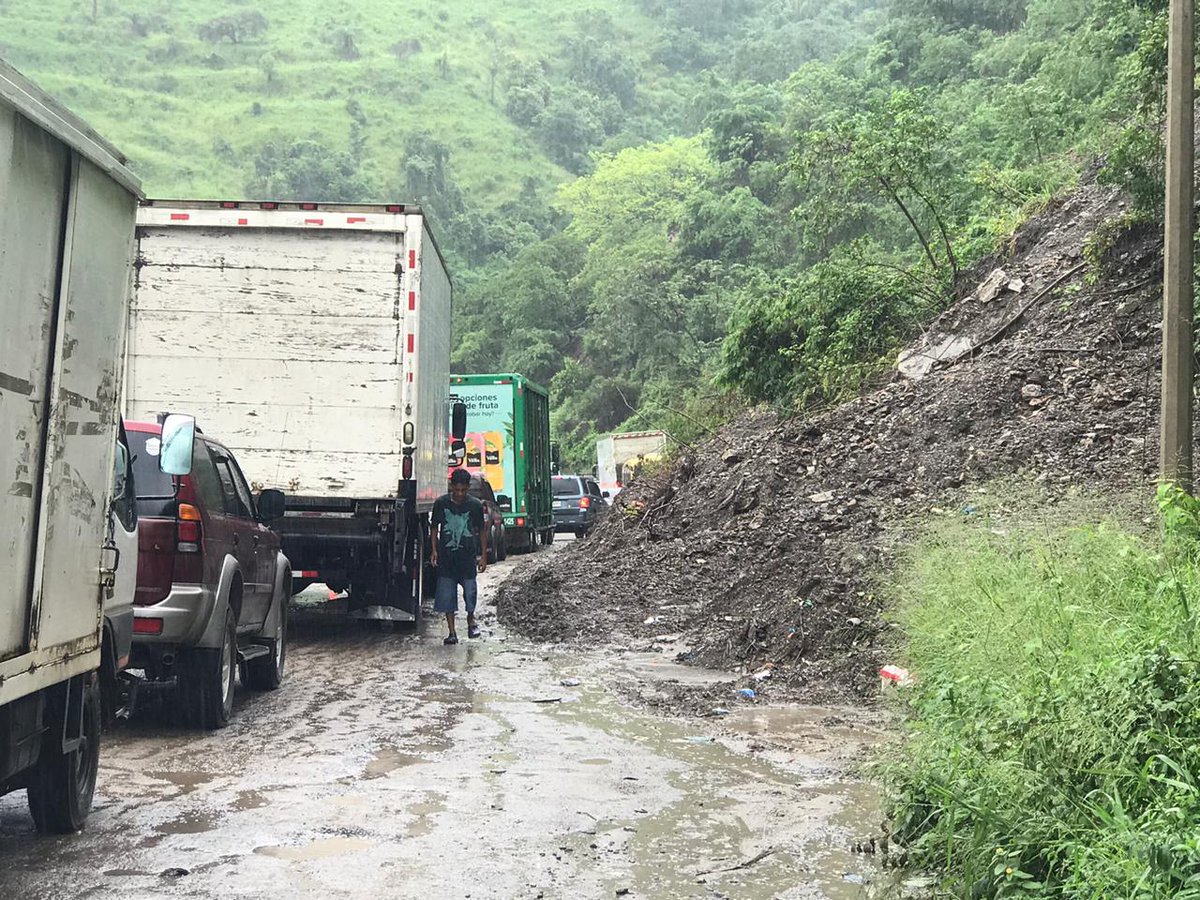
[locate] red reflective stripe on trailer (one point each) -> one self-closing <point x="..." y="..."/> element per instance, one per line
<point x="410" y="377"/>
<point x="180" y="217"/>
<point x="243" y="221"/>
<point x="412" y="259"/>
<point x="305" y="573"/>
<point x="314" y="221"/>
<point x="412" y="300"/>
<point x="355" y="220"/>
<point x="412" y="343"/>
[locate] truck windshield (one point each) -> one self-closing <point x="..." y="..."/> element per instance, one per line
<point x="155" y="489"/>
<point x="566" y="487"/>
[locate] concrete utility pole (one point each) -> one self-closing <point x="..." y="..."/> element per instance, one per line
<point x="1175" y="459"/>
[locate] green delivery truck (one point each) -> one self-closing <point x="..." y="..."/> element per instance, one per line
<point x="508" y="443"/>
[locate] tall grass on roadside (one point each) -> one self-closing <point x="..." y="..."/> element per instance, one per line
<point x="1054" y="742"/>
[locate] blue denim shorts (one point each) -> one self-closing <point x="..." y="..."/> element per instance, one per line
<point x="445" y="599"/>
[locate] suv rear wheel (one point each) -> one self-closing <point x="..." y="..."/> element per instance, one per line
<point x="265" y="673"/>
<point x="207" y="681"/>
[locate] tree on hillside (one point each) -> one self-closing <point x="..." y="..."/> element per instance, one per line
<point x="342" y="39"/>
<point x="887" y="151"/>
<point x="244" y="26"/>
<point x="307" y="170"/>
<point x="526" y="90"/>
<point x="426" y="172"/>
<point x="996" y="15"/>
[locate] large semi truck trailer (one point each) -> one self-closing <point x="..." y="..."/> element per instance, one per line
<point x="68" y="528"/>
<point x="508" y="442"/>
<point x="313" y="340"/>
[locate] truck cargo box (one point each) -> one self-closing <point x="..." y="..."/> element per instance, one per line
<point x="66" y="236"/>
<point x="307" y="337"/>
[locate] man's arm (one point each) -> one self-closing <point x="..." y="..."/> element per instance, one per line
<point x="434" y="533"/>
<point x="483" y="541"/>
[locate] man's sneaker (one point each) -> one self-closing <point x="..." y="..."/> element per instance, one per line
<point x="472" y="631"/>
<point x="450" y="639"/>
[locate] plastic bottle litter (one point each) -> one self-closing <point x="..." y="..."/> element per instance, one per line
<point x="718" y="711"/>
<point x="570" y="682"/>
<point x="747" y="693"/>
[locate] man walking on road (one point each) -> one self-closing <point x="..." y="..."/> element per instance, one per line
<point x="459" y="549"/>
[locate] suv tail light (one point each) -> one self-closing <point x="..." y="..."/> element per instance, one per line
<point x="585" y="502"/>
<point x="188" y="529"/>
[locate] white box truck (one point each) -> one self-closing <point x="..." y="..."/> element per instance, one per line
<point x="313" y="340"/>
<point x="67" y="206"/>
<point x="619" y="455"/>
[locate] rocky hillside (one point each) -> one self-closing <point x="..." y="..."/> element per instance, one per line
<point x="762" y="547"/>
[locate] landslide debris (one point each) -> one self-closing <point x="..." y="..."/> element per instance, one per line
<point x="761" y="548"/>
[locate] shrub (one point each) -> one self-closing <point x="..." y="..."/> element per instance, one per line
<point x="1054" y="745"/>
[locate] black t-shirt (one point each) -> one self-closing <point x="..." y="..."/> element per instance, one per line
<point x="460" y="525"/>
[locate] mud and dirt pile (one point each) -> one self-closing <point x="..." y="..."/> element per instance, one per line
<point x="761" y="548"/>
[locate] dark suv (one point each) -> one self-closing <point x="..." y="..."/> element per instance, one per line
<point x="213" y="586"/>
<point x="578" y="503"/>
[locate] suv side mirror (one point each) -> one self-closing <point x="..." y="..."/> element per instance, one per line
<point x="458" y="420"/>
<point x="504" y="502"/>
<point x="270" y="505"/>
<point x="607" y="495"/>
<point x="177" y="445"/>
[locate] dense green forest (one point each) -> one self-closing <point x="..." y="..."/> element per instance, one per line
<point x="653" y="206"/>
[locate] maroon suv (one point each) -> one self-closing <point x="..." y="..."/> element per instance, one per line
<point x="212" y="585"/>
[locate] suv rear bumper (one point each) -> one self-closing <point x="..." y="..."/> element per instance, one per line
<point x="185" y="615"/>
<point x="572" y="519"/>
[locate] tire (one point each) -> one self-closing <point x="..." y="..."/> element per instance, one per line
<point x="493" y="555"/>
<point x="63" y="784"/>
<point x="265" y="673"/>
<point x="207" y="682"/>
<point x="502" y="547"/>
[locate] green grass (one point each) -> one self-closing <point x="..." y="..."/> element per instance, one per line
<point x="167" y="100"/>
<point x="1053" y="748"/>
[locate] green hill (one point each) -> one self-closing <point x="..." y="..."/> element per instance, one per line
<point x="192" y="91"/>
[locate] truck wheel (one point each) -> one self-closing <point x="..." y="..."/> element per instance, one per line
<point x="265" y="673"/>
<point x="62" y="786"/>
<point x="207" y="681"/>
<point x="493" y="553"/>
<point x="502" y="547"/>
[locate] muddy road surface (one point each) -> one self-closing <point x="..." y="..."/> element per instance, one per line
<point x="389" y="765"/>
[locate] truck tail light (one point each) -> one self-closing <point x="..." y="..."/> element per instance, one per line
<point x="520" y="522"/>
<point x="188" y="529"/>
<point x="406" y="468"/>
<point x="147" y="626"/>
<point x="585" y="502"/>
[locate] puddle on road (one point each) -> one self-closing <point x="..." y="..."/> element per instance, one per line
<point x="186" y="781"/>
<point x="656" y="667"/>
<point x="249" y="800"/>
<point x="803" y="817"/>
<point x="388" y="760"/>
<point x="806" y="729"/>
<point x="191" y="822"/>
<point x="424" y="822"/>
<point x="325" y="848"/>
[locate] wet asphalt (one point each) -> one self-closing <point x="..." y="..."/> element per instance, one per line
<point x="389" y="765"/>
